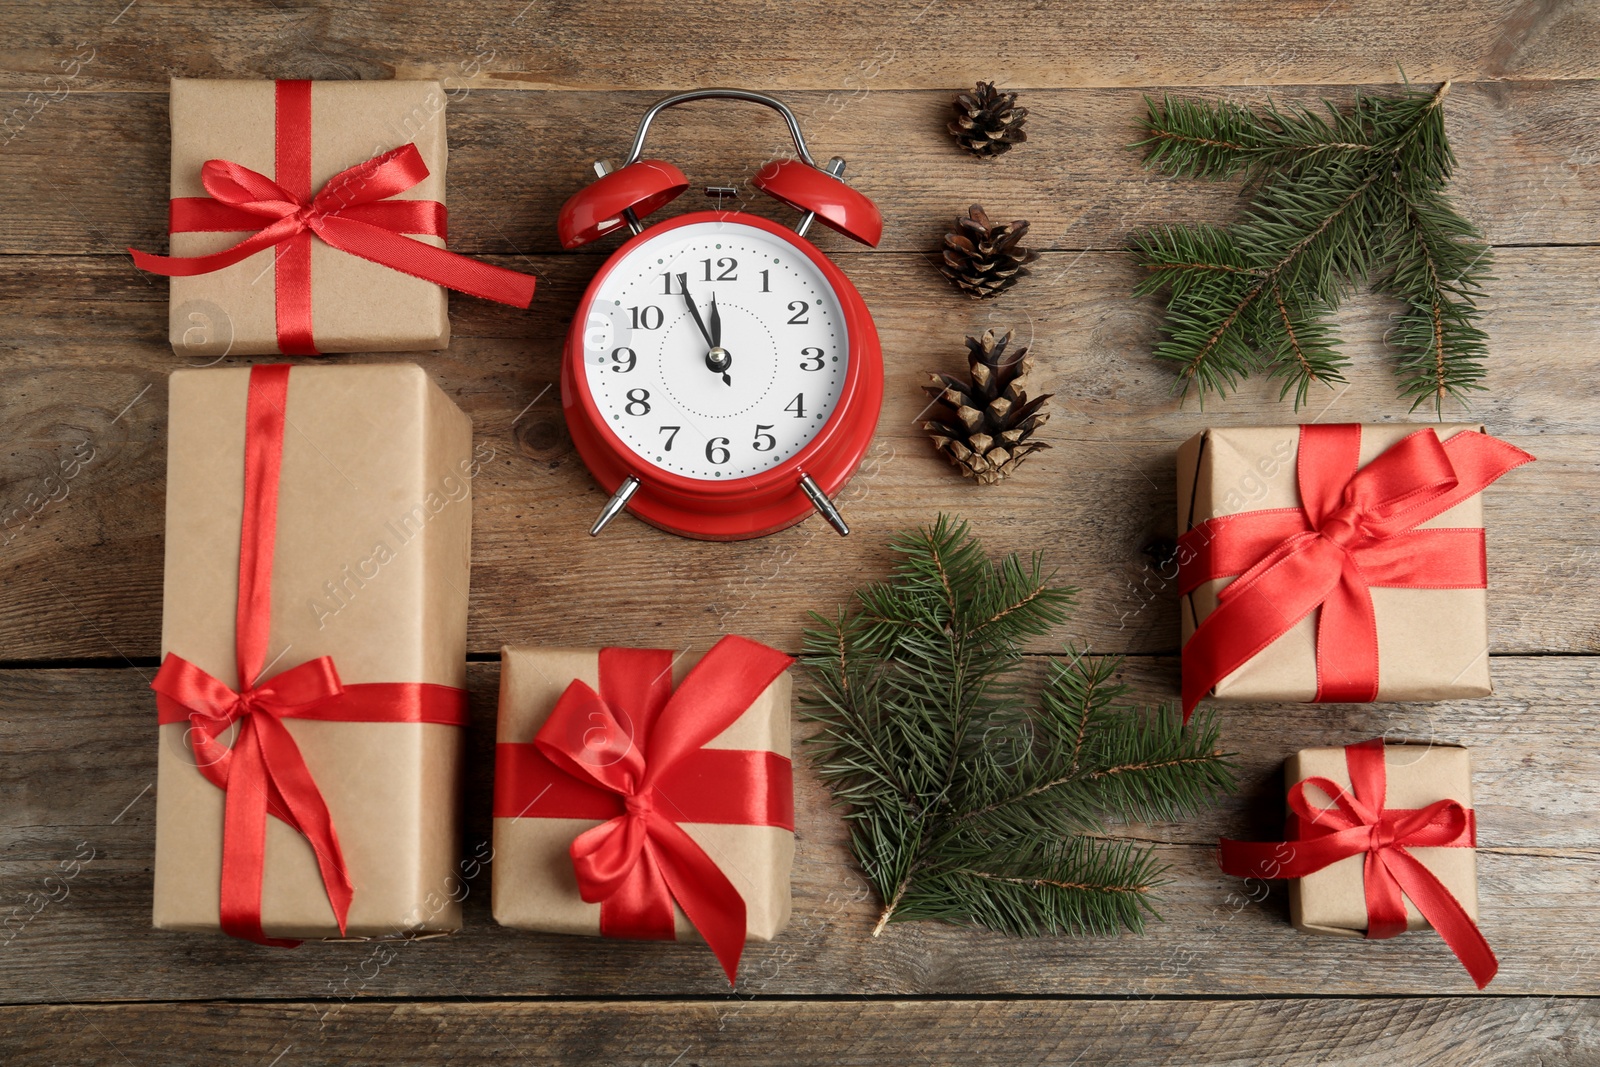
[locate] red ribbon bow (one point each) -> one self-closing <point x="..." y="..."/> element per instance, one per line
<point x="1358" y="824"/>
<point x="633" y="755"/>
<point x="264" y="771"/>
<point x="1355" y="529"/>
<point x="352" y="213"/>
<point x="271" y="776"/>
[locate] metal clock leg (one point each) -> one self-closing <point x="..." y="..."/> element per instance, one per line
<point x="824" y="506"/>
<point x="614" y="506"/>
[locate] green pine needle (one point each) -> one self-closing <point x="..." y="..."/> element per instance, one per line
<point x="967" y="802"/>
<point x="1340" y="200"/>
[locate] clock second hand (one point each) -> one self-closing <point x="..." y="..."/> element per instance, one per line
<point x="718" y="359"/>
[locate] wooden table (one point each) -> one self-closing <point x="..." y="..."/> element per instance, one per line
<point x="539" y="91"/>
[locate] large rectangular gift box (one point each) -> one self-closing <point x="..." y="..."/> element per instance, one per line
<point x="1373" y="589"/>
<point x="356" y="305"/>
<point x="691" y="751"/>
<point x="323" y="515"/>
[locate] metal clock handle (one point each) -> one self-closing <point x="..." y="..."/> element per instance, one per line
<point x="719" y="94"/>
<point x="834" y="166"/>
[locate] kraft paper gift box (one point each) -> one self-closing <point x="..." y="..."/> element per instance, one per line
<point x="1380" y="839"/>
<point x="535" y="884"/>
<point x="356" y="305"/>
<point x="1333" y="900"/>
<point x="367" y="564"/>
<point x="1432" y="639"/>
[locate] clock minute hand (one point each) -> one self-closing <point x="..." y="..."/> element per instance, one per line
<point x="716" y="342"/>
<point x="683" y="284"/>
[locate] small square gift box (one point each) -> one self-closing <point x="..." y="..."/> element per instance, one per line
<point x="312" y="691"/>
<point x="1340" y="563"/>
<point x="640" y="793"/>
<point x="309" y="217"/>
<point x="1380" y="839"/>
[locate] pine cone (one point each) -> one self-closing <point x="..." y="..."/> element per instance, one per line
<point x="982" y="259"/>
<point x="984" y="425"/>
<point x="988" y="122"/>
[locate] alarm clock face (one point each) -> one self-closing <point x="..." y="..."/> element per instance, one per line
<point x="715" y="350"/>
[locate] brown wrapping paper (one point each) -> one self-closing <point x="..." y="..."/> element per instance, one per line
<point x="534" y="885"/>
<point x="371" y="568"/>
<point x="1433" y="644"/>
<point x="1333" y="900"/>
<point x="356" y="305"/>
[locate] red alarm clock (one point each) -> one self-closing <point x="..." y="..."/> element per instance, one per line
<point x="722" y="378"/>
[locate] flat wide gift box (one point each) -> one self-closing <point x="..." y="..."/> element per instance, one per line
<point x="642" y="793"/>
<point x="312" y="693"/>
<point x="1380" y="838"/>
<point x="1335" y="563"/>
<point x="310" y="217"/>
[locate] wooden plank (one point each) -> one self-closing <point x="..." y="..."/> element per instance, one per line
<point x="802" y="44"/>
<point x="90" y="174"/>
<point x="80" y="764"/>
<point x="1462" y="1032"/>
<point x="87" y="361"/>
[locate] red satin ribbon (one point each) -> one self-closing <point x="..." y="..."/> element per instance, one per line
<point x="1358" y="824"/>
<point x="352" y="213"/>
<point x="263" y="772"/>
<point x="633" y="754"/>
<point x="1355" y="529"/>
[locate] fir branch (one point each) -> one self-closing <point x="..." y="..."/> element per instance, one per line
<point x="1030" y="887"/>
<point x="1439" y="267"/>
<point x="1192" y="138"/>
<point x="966" y="803"/>
<point x="1338" y="199"/>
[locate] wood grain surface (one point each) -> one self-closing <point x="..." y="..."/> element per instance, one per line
<point x="807" y="44"/>
<point x="94" y="167"/>
<point x="1551" y="1032"/>
<point x="538" y="90"/>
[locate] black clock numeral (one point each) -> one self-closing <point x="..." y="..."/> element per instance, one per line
<point x="727" y="265"/>
<point x="766" y="281"/>
<point x="649" y="318"/>
<point x="717" y="450"/>
<point x="797" y="405"/>
<point x="640" y="399"/>
<point x="621" y="356"/>
<point x="666" y="285"/>
<point x="763" y="436"/>
<point x="811" y="354"/>
<point x="797" y="315"/>
<point x="671" y="436"/>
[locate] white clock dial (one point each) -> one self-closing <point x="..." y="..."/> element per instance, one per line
<point x="715" y="411"/>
